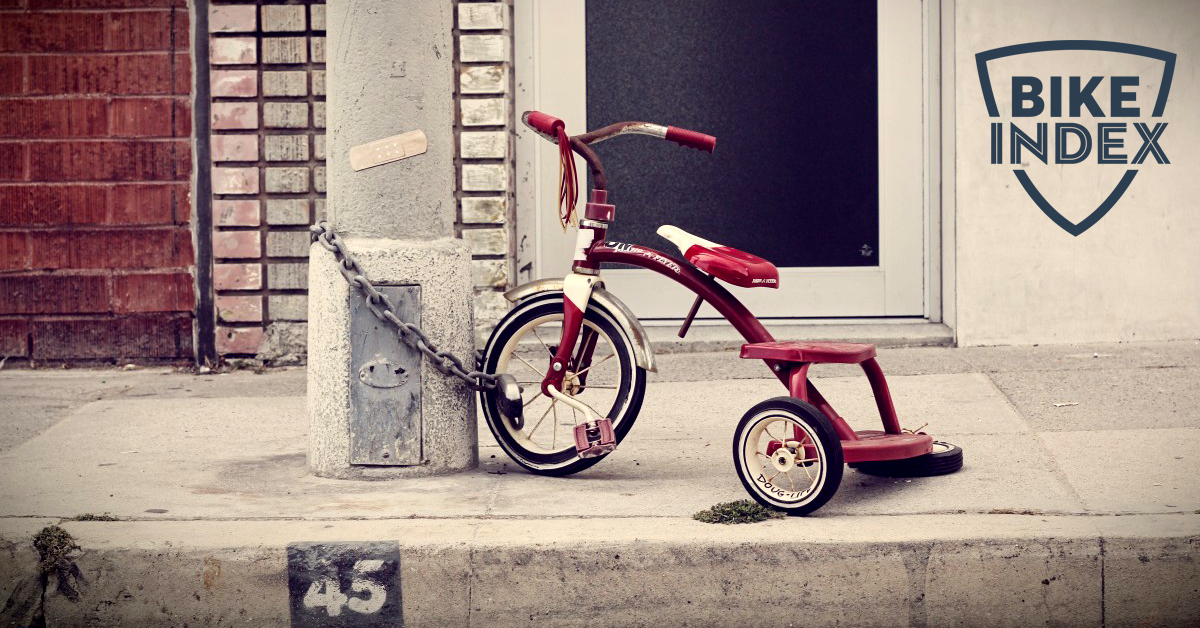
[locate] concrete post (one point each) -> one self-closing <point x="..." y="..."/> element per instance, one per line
<point x="390" y="71"/>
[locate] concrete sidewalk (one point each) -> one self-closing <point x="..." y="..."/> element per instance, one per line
<point x="1085" y="514"/>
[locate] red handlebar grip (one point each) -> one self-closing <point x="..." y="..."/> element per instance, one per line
<point x="691" y="139"/>
<point x="543" y="123"/>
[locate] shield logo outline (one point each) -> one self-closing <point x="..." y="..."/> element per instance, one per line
<point x="1160" y="104"/>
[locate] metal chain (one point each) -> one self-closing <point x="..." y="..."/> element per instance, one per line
<point x="381" y="307"/>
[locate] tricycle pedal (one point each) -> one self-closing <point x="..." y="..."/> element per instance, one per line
<point x="595" y="438"/>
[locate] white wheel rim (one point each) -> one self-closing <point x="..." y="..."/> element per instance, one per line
<point x="601" y="392"/>
<point x="941" y="448"/>
<point x="787" y="486"/>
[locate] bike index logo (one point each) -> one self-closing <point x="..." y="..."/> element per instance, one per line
<point x="1031" y="97"/>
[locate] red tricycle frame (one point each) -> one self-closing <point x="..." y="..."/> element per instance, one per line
<point x="856" y="447"/>
<point x="593" y="250"/>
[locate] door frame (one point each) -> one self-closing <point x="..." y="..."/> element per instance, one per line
<point x="534" y="57"/>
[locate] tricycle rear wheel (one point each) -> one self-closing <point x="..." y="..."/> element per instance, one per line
<point x="945" y="458"/>
<point x="788" y="455"/>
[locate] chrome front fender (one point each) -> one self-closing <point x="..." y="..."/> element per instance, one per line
<point x="643" y="354"/>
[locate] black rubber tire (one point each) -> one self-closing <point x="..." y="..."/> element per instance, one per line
<point x="631" y="389"/>
<point x="831" y="465"/>
<point x="948" y="460"/>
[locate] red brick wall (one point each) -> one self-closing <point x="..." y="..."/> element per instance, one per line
<point x="95" y="168"/>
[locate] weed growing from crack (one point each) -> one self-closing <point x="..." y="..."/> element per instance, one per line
<point x="741" y="511"/>
<point x="54" y="545"/>
<point x="87" y="516"/>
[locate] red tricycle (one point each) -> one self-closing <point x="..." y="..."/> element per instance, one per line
<point x="568" y="345"/>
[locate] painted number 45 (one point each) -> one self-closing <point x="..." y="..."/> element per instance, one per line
<point x="366" y="595"/>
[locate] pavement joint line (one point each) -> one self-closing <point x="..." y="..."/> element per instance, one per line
<point x="917" y="570"/>
<point x="1057" y="471"/>
<point x="1004" y="395"/>
<point x="997" y="512"/>
<point x="493" y="494"/>
<point x="965" y="361"/>
<point x="471" y="573"/>
<point x="1139" y="429"/>
<point x="1103" y="369"/>
<point x="1103" y="593"/>
<point x="1011" y="405"/>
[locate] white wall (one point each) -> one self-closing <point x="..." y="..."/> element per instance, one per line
<point x="1135" y="275"/>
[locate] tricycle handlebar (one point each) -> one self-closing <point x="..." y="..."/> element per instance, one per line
<point x="544" y="124"/>
<point x="548" y="126"/>
<point x="691" y="139"/>
<point x="554" y="129"/>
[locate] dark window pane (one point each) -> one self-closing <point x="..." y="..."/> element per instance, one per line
<point x="790" y="91"/>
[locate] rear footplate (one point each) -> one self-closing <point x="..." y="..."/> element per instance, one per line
<point x="875" y="446"/>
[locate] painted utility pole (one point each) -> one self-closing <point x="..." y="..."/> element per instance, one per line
<point x="376" y="408"/>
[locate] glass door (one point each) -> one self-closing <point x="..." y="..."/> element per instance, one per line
<point x="817" y="110"/>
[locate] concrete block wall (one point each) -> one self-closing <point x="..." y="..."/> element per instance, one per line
<point x="267" y="81"/>
<point x="96" y="253"/>
<point x="484" y="132"/>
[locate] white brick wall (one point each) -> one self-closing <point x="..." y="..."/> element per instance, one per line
<point x="484" y="111"/>
<point x="484" y="209"/>
<point x="487" y="241"/>
<point x="485" y="146"/>
<point x="268" y="88"/>
<point x="482" y="16"/>
<point x="285" y="18"/>
<point x="483" y="48"/>
<point x="485" y="177"/>
<point x="483" y="79"/>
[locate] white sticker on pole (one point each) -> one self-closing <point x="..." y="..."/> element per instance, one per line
<point x="582" y="242"/>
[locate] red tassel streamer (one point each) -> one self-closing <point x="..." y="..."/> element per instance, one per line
<point x="568" y="184"/>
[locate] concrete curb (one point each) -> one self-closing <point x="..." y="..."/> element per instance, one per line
<point x="919" y="570"/>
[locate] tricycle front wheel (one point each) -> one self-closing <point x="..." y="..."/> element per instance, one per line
<point x="612" y="384"/>
<point x="788" y="455"/>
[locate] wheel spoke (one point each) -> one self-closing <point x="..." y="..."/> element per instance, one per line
<point x="539" y="338"/>
<point x="790" y="482"/>
<point x="537" y="393"/>
<point x="531" y="407"/>
<point x="526" y="362"/>
<point x="593" y="365"/>
<point x="539" y="421"/>
<point x="597" y="412"/>
<point x="554" y="437"/>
